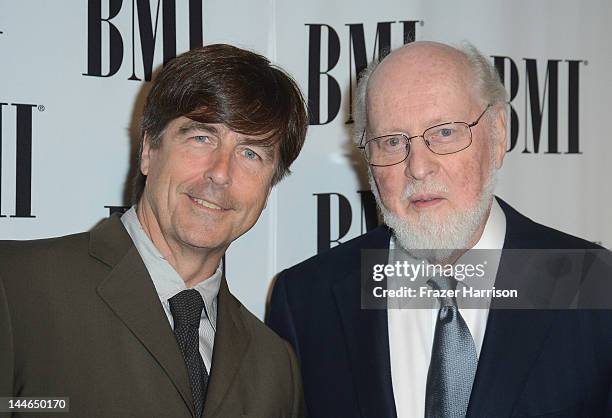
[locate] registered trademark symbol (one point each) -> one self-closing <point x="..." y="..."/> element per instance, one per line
<point x="586" y="62"/>
<point x="41" y="108"/>
<point x="421" y="23"/>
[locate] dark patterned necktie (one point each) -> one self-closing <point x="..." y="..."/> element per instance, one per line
<point x="453" y="359"/>
<point x="186" y="308"/>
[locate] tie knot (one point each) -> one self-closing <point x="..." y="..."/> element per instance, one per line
<point x="186" y="308"/>
<point x="444" y="283"/>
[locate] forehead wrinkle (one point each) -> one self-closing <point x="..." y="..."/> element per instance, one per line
<point x="421" y="63"/>
<point x="404" y="96"/>
<point x="192" y="125"/>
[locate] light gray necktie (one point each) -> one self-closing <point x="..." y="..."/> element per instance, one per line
<point x="453" y="359"/>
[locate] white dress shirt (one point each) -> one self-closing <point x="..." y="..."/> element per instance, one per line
<point x="411" y="331"/>
<point x="168" y="283"/>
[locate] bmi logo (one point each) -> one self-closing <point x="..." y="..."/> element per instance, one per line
<point x="322" y="34"/>
<point x="561" y="76"/>
<point x="145" y="27"/>
<point x="20" y="116"/>
<point x="368" y="217"/>
<point x="536" y="113"/>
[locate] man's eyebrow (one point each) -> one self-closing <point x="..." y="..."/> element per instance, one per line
<point x="396" y="130"/>
<point x="197" y="126"/>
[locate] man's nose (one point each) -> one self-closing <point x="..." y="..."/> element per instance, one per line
<point x="421" y="162"/>
<point x="219" y="170"/>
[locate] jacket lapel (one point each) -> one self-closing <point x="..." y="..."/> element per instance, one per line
<point x="367" y="339"/>
<point x="513" y="337"/>
<point x="513" y="340"/>
<point x="232" y="339"/>
<point x="131" y="295"/>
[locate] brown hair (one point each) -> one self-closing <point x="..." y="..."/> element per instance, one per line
<point x="224" y="84"/>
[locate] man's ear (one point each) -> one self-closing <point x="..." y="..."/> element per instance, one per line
<point x="499" y="130"/>
<point x="145" y="156"/>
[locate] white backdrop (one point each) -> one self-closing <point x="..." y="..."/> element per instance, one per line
<point x="80" y="120"/>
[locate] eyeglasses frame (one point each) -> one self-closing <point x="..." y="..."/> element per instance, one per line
<point x="409" y="139"/>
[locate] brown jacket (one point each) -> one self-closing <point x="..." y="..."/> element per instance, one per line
<point x="80" y="317"/>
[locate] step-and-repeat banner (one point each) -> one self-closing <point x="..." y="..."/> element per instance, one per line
<point x="74" y="75"/>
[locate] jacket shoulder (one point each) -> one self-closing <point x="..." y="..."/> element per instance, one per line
<point x="41" y="250"/>
<point x="264" y="338"/>
<point x="524" y="233"/>
<point x="107" y="243"/>
<point x="336" y="262"/>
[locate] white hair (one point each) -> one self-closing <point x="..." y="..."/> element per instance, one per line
<point x="486" y="82"/>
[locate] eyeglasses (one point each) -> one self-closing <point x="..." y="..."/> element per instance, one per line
<point x="442" y="139"/>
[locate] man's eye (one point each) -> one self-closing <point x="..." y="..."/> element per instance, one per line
<point x="201" y="138"/>
<point x="394" y="141"/>
<point x="250" y="154"/>
<point x="444" y="132"/>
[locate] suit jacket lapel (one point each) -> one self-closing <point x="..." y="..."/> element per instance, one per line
<point x="232" y="339"/>
<point x="367" y="340"/>
<point x="513" y="340"/>
<point x="513" y="337"/>
<point x="131" y="295"/>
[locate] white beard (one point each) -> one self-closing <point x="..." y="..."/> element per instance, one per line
<point x="431" y="237"/>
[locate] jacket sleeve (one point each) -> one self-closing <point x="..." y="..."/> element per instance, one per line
<point x="298" y="407"/>
<point x="280" y="318"/>
<point x="6" y="346"/>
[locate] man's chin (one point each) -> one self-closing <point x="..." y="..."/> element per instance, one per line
<point x="435" y="245"/>
<point x="433" y="236"/>
<point x="435" y="256"/>
<point x="202" y="238"/>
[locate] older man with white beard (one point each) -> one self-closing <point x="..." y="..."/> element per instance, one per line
<point x="431" y="120"/>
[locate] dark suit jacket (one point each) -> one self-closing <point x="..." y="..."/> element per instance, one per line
<point x="80" y="317"/>
<point x="532" y="363"/>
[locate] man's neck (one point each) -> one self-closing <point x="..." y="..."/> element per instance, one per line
<point x="194" y="265"/>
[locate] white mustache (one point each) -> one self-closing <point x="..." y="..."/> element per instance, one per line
<point x="429" y="187"/>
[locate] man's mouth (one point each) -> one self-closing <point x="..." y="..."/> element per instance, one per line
<point x="207" y="204"/>
<point x="425" y="200"/>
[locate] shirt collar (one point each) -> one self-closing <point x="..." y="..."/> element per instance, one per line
<point x="494" y="232"/>
<point x="165" y="278"/>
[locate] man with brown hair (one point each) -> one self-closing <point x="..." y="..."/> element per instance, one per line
<point x="134" y="318"/>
